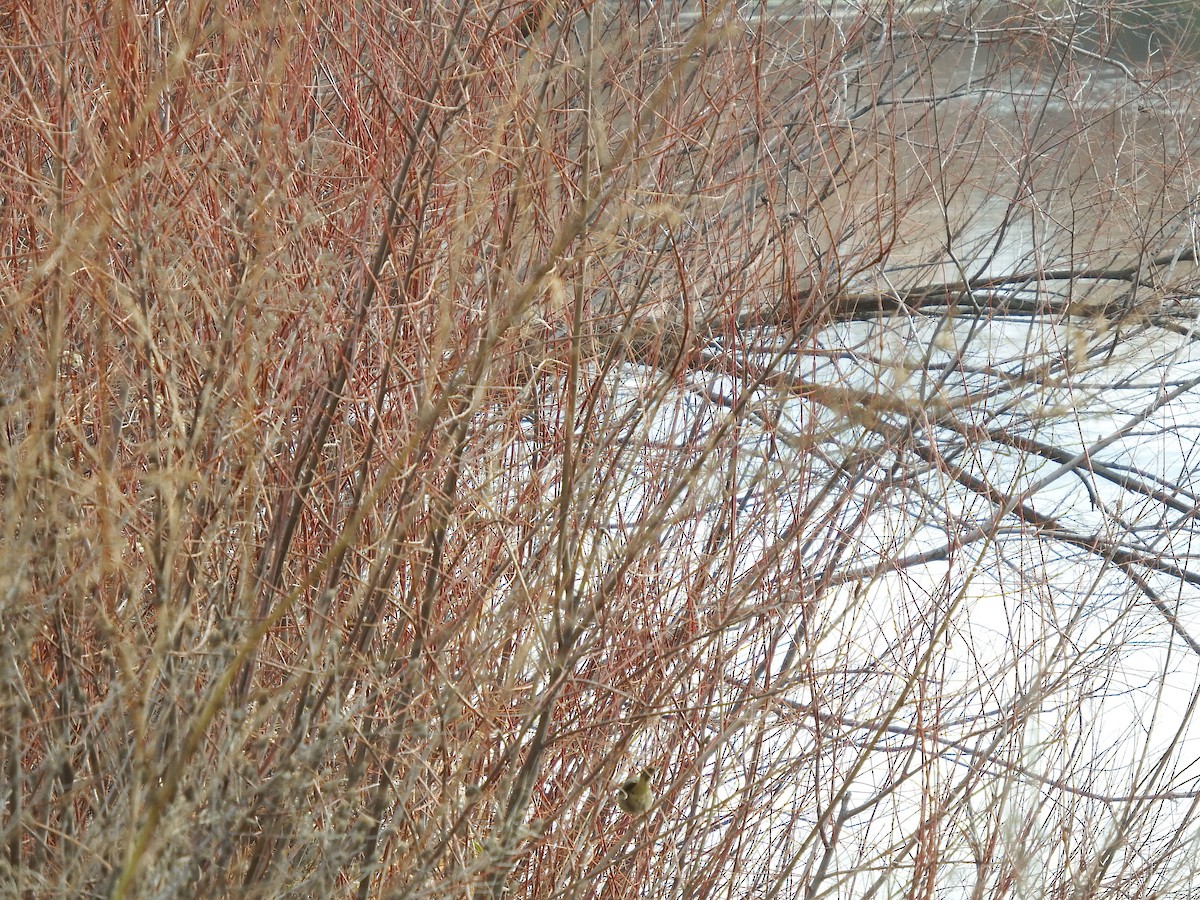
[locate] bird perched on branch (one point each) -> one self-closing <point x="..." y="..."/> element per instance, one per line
<point x="635" y="796"/>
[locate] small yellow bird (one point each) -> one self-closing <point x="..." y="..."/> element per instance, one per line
<point x="635" y="796"/>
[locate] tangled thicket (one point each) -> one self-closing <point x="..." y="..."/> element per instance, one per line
<point x="416" y="418"/>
